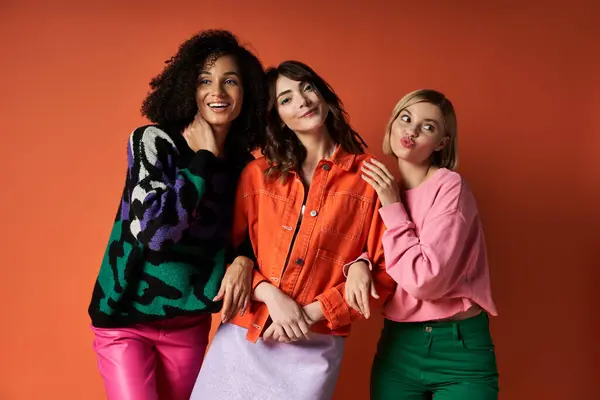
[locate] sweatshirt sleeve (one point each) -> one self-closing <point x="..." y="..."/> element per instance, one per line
<point x="164" y="198"/>
<point x="333" y="303"/>
<point x="430" y="264"/>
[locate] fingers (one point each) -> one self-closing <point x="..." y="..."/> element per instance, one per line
<point x="365" y="302"/>
<point x="376" y="173"/>
<point x="374" y="291"/>
<point x="227" y="305"/>
<point x="221" y="293"/>
<point x="297" y="332"/>
<point x="246" y="301"/>
<point x="359" y="301"/>
<point x="236" y="301"/>
<point x="351" y="299"/>
<point x="240" y="301"/>
<point x="280" y="335"/>
<point x="371" y="182"/>
<point x="268" y="334"/>
<point x="303" y="325"/>
<point x="372" y="174"/>
<point x="382" y="167"/>
<point x="289" y="331"/>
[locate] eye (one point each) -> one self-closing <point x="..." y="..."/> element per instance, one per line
<point x="308" y="87"/>
<point x="204" y="81"/>
<point x="429" y="128"/>
<point x="231" y="82"/>
<point x="284" y="101"/>
<point x="405" y="118"/>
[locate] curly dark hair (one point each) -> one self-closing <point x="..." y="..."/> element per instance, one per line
<point x="172" y="100"/>
<point x="283" y="150"/>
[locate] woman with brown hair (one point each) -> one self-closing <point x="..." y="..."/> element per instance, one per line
<point x="307" y="212"/>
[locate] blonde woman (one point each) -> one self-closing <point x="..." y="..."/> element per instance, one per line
<point x="436" y="340"/>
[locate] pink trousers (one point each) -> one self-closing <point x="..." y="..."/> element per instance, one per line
<point x="153" y="361"/>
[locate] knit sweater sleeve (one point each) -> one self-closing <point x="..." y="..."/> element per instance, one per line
<point x="164" y="198"/>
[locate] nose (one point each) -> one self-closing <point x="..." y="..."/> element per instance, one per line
<point x="411" y="133"/>
<point x="304" y="101"/>
<point x="218" y="90"/>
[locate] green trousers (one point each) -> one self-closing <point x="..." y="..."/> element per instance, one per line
<point x="439" y="360"/>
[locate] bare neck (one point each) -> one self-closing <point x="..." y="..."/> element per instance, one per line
<point x="319" y="145"/>
<point x="220" y="132"/>
<point x="412" y="175"/>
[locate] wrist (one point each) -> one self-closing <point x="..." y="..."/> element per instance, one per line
<point x="266" y="292"/>
<point x="244" y="261"/>
<point x="387" y="202"/>
<point x="314" y="311"/>
<point x="358" y="265"/>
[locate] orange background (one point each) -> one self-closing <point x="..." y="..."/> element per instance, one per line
<point x="524" y="79"/>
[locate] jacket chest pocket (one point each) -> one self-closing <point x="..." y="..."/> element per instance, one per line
<point x="345" y="214"/>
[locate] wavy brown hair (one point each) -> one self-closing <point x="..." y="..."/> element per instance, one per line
<point x="283" y="149"/>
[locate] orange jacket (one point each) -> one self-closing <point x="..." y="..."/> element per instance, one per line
<point x="340" y="221"/>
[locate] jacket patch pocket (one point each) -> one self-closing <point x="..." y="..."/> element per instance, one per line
<point x="344" y="214"/>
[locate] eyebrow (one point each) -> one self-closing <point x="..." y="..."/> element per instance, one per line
<point x="425" y="120"/>
<point x="300" y="84"/>
<point x="228" y="73"/>
<point x="284" y="92"/>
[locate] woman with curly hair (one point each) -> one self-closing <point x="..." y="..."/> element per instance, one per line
<point x="307" y="212"/>
<point x="164" y="269"/>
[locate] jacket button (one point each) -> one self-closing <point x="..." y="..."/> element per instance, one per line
<point x="313" y="213"/>
<point x="299" y="261"/>
<point x="326" y="167"/>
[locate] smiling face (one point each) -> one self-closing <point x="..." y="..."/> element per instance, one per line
<point x="220" y="94"/>
<point x="418" y="132"/>
<point x="300" y="106"/>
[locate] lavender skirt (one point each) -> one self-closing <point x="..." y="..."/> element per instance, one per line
<point x="236" y="369"/>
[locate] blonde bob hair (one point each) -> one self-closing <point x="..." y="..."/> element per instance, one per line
<point x="446" y="157"/>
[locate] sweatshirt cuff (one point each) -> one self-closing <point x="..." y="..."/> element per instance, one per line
<point x="363" y="257"/>
<point x="394" y="214"/>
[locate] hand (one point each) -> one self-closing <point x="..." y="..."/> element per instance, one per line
<point x="359" y="284"/>
<point x="275" y="332"/>
<point x="235" y="288"/>
<point x="200" y="136"/>
<point x="377" y="175"/>
<point x="284" y="311"/>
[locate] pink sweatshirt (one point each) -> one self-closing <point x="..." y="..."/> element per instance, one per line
<point x="435" y="250"/>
